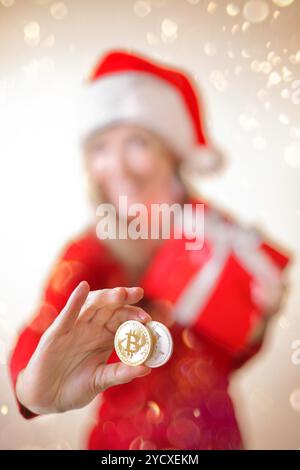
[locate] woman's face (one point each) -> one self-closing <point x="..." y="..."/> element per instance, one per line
<point x="127" y="160"/>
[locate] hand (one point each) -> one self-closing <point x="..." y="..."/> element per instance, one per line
<point x="69" y="366"/>
<point x="268" y="295"/>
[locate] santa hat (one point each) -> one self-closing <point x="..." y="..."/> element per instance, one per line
<point x="127" y="87"/>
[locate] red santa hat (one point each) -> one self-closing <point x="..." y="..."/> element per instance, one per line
<point x="127" y="87"/>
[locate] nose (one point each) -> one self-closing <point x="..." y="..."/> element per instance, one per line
<point x="129" y="164"/>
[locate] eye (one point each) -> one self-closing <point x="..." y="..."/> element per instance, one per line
<point x="137" y="141"/>
<point x="98" y="148"/>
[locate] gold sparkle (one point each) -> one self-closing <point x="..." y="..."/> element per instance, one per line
<point x="287" y="74"/>
<point x="248" y="123"/>
<point x="211" y="8"/>
<point x="283" y="322"/>
<point x="142" y="8"/>
<point x="169" y="29"/>
<point x="7" y="3"/>
<point x="32" y="33"/>
<point x="283" y="119"/>
<point x="4" y="410"/>
<point x="256" y="11"/>
<point x="274" y="79"/>
<point x="154" y="407"/>
<point x="210" y="49"/>
<point x="283" y="3"/>
<point x="235" y="28"/>
<point x="265" y="67"/>
<point x="59" y="10"/>
<point x="218" y="80"/>
<point x="285" y="93"/>
<point x="292" y="154"/>
<point x="245" y="26"/>
<point x="232" y="9"/>
<point x="295" y="399"/>
<point x="152" y="39"/>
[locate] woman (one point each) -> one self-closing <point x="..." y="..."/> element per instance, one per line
<point x="143" y="124"/>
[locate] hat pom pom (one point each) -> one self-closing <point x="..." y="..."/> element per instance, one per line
<point x="203" y="160"/>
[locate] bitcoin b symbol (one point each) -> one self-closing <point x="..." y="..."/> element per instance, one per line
<point x="134" y="341"/>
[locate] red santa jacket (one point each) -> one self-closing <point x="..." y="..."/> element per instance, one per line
<point x="184" y="404"/>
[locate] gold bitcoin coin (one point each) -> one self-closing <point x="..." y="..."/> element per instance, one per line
<point x="133" y="343"/>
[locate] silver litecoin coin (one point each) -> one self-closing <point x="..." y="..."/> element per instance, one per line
<point x="162" y="344"/>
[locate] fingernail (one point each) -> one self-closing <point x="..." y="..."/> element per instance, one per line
<point x="79" y="287"/>
<point x="143" y="315"/>
<point x="136" y="288"/>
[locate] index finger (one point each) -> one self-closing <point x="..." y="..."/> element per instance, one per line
<point x="67" y="317"/>
<point x="113" y="298"/>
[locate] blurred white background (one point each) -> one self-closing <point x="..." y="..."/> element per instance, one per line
<point x="245" y="56"/>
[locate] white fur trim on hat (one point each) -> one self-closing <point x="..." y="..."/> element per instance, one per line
<point x="139" y="98"/>
<point x="202" y="160"/>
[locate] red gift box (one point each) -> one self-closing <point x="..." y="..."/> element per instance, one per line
<point x="210" y="288"/>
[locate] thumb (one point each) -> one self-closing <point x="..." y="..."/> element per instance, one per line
<point x="108" y="375"/>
